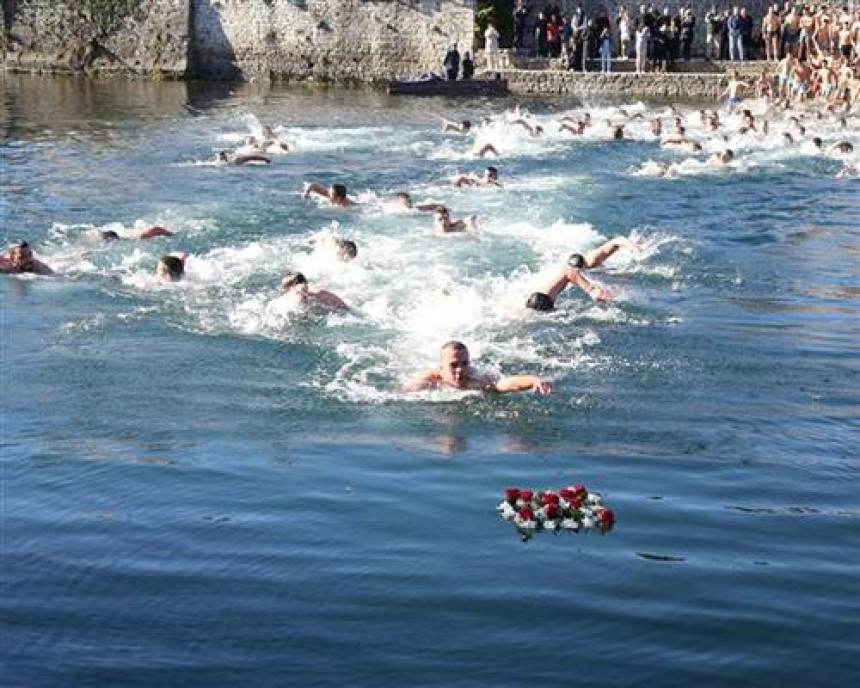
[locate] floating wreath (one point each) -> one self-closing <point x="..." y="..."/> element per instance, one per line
<point x="570" y="508"/>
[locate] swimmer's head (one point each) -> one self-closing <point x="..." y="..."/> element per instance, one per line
<point x="109" y="236"/>
<point x="845" y="147"/>
<point x="539" y="302"/>
<point x="297" y="280"/>
<point x="465" y="125"/>
<point x="576" y="260"/>
<point x="404" y="199"/>
<point x="696" y="147"/>
<point x="338" y="192"/>
<point x="21" y="255"/>
<point x="491" y="174"/>
<point x="171" y="268"/>
<point x="454" y="363"/>
<point x="222" y="156"/>
<point x="727" y="156"/>
<point x="346" y="250"/>
<point x="618" y="133"/>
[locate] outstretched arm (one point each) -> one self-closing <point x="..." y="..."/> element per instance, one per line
<point x="595" y="291"/>
<point x="484" y="150"/>
<point x="427" y="380"/>
<point x="599" y="255"/>
<point x="314" y="188"/>
<point x="523" y="383"/>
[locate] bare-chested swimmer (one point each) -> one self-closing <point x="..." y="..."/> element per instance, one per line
<point x="142" y="235"/>
<point x="404" y="203"/>
<point x="723" y="158"/>
<point x="336" y="194"/>
<point x="571" y="274"/>
<point x="242" y="158"/>
<point x="463" y="127"/>
<point x="443" y="224"/>
<point x="489" y="178"/>
<point x="20" y="259"/>
<point x="297" y="287"/>
<point x="534" y="130"/>
<point x="456" y="371"/>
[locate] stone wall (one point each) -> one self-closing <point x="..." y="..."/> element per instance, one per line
<point x="337" y="40"/>
<point x="147" y="37"/>
<point x="677" y="87"/>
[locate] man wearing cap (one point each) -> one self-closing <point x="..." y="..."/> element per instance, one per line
<point x="571" y="274"/>
<point x="20" y="259"/>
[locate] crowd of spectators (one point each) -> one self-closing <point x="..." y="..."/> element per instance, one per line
<point x="658" y="36"/>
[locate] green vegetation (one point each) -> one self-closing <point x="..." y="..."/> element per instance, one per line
<point x="502" y="11"/>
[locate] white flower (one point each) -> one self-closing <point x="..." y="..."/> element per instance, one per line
<point x="570" y="524"/>
<point x="525" y="524"/>
<point x="595" y="499"/>
<point x="588" y="522"/>
<point x="506" y="511"/>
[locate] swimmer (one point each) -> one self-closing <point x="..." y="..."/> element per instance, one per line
<point x="20" y="259"/>
<point x="843" y="147"/>
<point x="723" y="158"/>
<point x="677" y="139"/>
<point x="657" y="127"/>
<point x="577" y="129"/>
<point x="246" y="158"/>
<point x="463" y="127"/>
<point x="345" y="249"/>
<point x="271" y="139"/>
<point x="534" y="130"/>
<point x="296" y="285"/>
<point x="336" y="194"/>
<point x="109" y="235"/>
<point x="484" y="150"/>
<point x="570" y="275"/>
<point x="404" y="202"/>
<point x="489" y="178"/>
<point x="455" y="370"/>
<point x="443" y="224"/>
<point x="171" y="267"/>
<point x="617" y="131"/>
<point x="733" y="91"/>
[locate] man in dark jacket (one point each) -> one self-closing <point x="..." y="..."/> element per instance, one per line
<point x="451" y="63"/>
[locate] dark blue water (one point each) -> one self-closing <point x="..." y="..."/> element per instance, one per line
<point x="202" y="487"/>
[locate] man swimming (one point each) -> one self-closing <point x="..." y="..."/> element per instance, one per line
<point x="456" y="371"/>
<point x="296" y="285"/>
<point x="463" y="127"/>
<point x="20" y="259"/>
<point x="143" y="235"/>
<point x="336" y="194"/>
<point x="404" y="202"/>
<point x="443" y="224"/>
<point x="242" y="158"/>
<point x="489" y="178"/>
<point x="171" y="267"/>
<point x="571" y="274"/>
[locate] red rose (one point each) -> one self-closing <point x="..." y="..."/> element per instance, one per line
<point x="551" y="511"/>
<point x="526" y="495"/>
<point x="512" y="494"/>
<point x="526" y="514"/>
<point x="550" y="498"/>
<point x="605" y="517"/>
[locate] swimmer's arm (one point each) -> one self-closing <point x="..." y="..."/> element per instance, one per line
<point x="428" y="380"/>
<point x="332" y="301"/>
<point x="595" y="291"/>
<point x="429" y="207"/>
<point x="314" y="188"/>
<point x="6" y="266"/>
<point x="522" y="383"/>
<point x="153" y="232"/>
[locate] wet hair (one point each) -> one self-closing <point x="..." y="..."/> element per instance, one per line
<point x="402" y="195"/>
<point x="728" y="155"/>
<point x="618" y="133"/>
<point x="465" y="125"/>
<point x="346" y="249"/>
<point x="492" y="172"/>
<point x="293" y="280"/>
<point x="845" y="147"/>
<point x="175" y="267"/>
<point x="454" y="345"/>
<point x="817" y="142"/>
<point x="576" y="260"/>
<point x="109" y="235"/>
<point x="338" y="191"/>
<point x="540" y="302"/>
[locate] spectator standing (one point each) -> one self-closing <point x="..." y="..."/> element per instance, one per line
<point x="746" y="23"/>
<point x="713" y="29"/>
<point x="624" y="33"/>
<point x="770" y="33"/>
<point x="688" y="31"/>
<point x="605" y="51"/>
<point x="540" y="35"/>
<point x="491" y="46"/>
<point x="736" y="45"/>
<point x="521" y="15"/>
<point x="468" y="67"/>
<point x="451" y="63"/>
<point x="643" y="37"/>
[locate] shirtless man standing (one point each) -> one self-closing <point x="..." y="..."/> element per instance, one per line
<point x="20" y="259"/>
<point x="456" y="371"/>
<point x="570" y="274"/>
